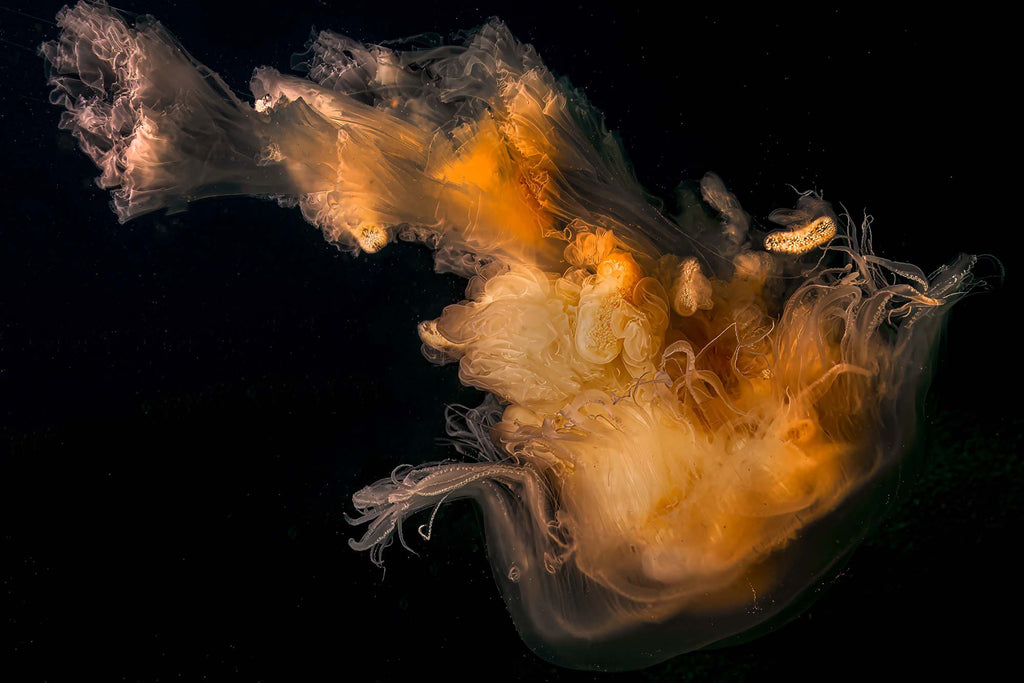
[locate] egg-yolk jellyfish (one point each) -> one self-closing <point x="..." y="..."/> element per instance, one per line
<point x="689" y="421"/>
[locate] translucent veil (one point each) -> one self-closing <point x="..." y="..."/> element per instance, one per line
<point x="689" y="420"/>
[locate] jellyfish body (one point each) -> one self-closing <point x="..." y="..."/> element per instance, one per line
<point x="688" y="422"/>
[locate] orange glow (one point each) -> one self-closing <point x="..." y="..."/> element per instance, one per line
<point x="485" y="184"/>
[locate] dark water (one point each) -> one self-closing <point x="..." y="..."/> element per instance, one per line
<point x="189" y="401"/>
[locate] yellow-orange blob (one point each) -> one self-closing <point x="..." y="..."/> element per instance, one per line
<point x="801" y="240"/>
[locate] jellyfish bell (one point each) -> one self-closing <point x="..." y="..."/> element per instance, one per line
<point x="687" y="425"/>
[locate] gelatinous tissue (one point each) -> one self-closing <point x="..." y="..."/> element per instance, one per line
<point x="689" y="420"/>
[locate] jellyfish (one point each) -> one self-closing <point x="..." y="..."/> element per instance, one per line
<point x="689" y="419"/>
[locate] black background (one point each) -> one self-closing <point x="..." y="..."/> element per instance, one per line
<point x="189" y="401"/>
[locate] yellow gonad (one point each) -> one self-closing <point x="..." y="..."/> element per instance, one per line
<point x="686" y="427"/>
<point x="802" y="239"/>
